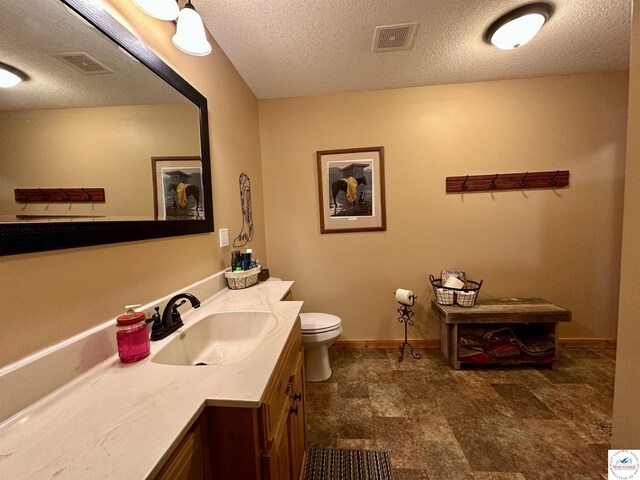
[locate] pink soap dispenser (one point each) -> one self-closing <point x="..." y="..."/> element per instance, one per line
<point x="132" y="335"/>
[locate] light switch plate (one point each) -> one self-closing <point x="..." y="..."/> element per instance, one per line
<point x="224" y="237"/>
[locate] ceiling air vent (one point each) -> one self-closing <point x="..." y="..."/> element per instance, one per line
<point x="394" y="37"/>
<point x="83" y="63"/>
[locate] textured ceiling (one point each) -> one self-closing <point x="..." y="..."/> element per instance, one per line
<point x="285" y="48"/>
<point x="32" y="31"/>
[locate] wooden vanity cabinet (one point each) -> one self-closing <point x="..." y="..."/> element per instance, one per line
<point x="284" y="456"/>
<point x="297" y="423"/>
<point x="277" y="461"/>
<point x="267" y="442"/>
<point x="189" y="461"/>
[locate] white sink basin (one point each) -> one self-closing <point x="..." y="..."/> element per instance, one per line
<point x="217" y="339"/>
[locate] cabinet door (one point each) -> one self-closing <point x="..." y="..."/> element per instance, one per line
<point x="277" y="464"/>
<point x="187" y="462"/>
<point x="297" y="430"/>
<point x="276" y="402"/>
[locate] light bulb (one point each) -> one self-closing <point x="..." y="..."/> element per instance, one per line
<point x="190" y="34"/>
<point x="8" y="79"/>
<point x="161" y="9"/>
<point x="10" y="76"/>
<point x="518" y="32"/>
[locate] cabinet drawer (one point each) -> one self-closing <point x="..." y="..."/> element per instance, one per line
<point x="276" y="403"/>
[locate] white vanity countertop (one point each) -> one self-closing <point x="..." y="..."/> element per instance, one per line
<point x="121" y="421"/>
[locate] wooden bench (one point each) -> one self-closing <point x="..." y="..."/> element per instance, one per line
<point x="492" y="314"/>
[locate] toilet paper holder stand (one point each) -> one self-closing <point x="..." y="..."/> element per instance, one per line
<point x="406" y="317"/>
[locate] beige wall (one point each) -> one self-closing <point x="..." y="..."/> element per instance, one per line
<point x="49" y="296"/>
<point x="104" y="147"/>
<point x="563" y="246"/>
<point x="626" y="422"/>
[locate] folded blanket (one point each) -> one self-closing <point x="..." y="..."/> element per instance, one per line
<point x="473" y="354"/>
<point x="471" y="341"/>
<point x="502" y="343"/>
<point x="536" y="347"/>
<point x="503" y="351"/>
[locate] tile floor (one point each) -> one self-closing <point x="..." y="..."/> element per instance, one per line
<point x="479" y="424"/>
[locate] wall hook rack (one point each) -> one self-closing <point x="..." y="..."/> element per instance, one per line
<point x="493" y="185"/>
<point x="508" y="181"/>
<point x="59" y="195"/>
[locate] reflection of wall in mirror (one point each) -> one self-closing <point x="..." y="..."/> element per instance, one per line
<point x="104" y="147"/>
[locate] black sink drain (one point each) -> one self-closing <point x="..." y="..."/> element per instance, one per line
<point x="199" y="364"/>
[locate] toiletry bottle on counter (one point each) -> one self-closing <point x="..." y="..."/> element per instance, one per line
<point x="132" y="335"/>
<point x="235" y="260"/>
<point x="246" y="260"/>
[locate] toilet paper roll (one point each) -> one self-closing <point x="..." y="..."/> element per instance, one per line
<point x="403" y="296"/>
<point x="453" y="282"/>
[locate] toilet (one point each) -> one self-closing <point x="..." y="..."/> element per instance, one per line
<point x="319" y="331"/>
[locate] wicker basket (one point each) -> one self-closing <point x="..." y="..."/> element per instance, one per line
<point x="240" y="280"/>
<point x="463" y="297"/>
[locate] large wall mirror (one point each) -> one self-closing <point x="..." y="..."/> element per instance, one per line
<point x="98" y="110"/>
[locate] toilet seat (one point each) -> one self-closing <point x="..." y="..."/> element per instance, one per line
<point x="314" y="323"/>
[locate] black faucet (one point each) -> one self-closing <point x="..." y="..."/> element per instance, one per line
<point x="170" y="320"/>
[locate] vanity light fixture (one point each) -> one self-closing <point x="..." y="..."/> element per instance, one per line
<point x="161" y="9"/>
<point x="11" y="76"/>
<point x="190" y="34"/>
<point x="519" y="26"/>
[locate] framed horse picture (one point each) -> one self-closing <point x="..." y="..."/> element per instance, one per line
<point x="351" y="190"/>
<point x="177" y="188"/>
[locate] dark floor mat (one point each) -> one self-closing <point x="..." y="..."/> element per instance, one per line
<point x="334" y="464"/>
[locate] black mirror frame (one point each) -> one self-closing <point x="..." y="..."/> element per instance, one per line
<point x="37" y="237"/>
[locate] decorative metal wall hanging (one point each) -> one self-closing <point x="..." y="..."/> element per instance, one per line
<point x="246" y="234"/>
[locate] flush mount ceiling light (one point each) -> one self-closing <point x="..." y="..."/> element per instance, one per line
<point x="190" y="34"/>
<point x="519" y="26"/>
<point x="161" y="9"/>
<point x="11" y="76"/>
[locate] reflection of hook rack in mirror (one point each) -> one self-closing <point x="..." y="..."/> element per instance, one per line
<point x="508" y="181"/>
<point x="44" y="195"/>
<point x="59" y="195"/>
